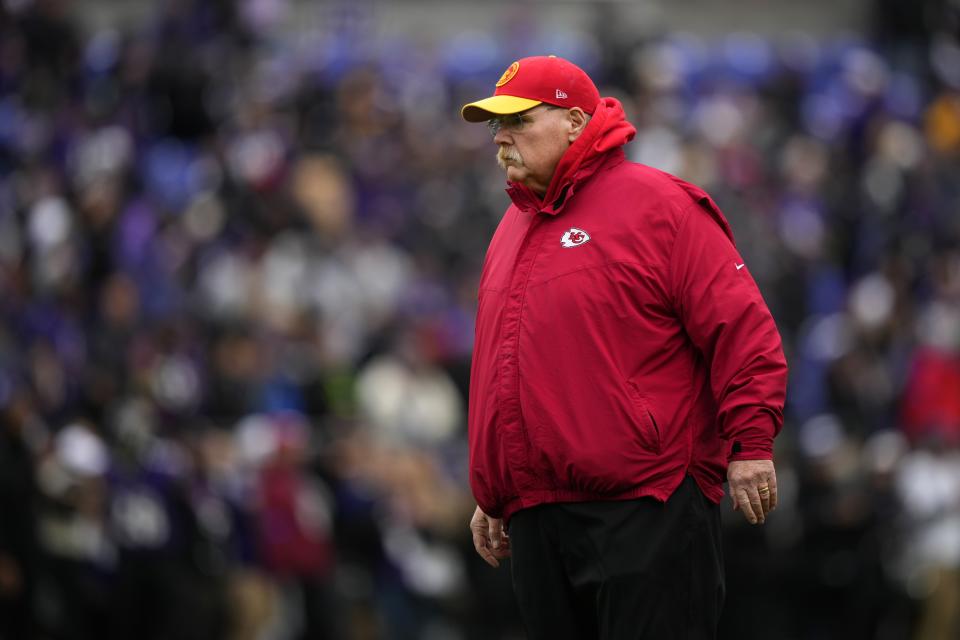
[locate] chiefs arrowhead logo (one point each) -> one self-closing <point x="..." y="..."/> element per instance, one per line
<point x="574" y="237"/>
<point x="508" y="74"/>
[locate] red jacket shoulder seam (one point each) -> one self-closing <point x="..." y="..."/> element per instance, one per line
<point x="685" y="217"/>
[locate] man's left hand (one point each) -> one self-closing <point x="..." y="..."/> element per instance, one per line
<point x="753" y="487"/>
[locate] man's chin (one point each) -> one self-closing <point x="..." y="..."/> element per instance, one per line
<point x="515" y="173"/>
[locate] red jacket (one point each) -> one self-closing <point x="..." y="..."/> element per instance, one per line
<point x="621" y="343"/>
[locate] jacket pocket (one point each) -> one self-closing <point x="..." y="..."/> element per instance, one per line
<point x="648" y="431"/>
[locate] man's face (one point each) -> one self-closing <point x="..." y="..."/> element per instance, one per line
<point x="531" y="144"/>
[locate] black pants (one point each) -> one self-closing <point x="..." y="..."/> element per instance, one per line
<point x="620" y="570"/>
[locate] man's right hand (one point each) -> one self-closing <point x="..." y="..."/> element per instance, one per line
<point x="489" y="538"/>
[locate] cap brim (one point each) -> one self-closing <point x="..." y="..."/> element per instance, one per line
<point x="483" y="110"/>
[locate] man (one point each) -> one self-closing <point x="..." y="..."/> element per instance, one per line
<point x="624" y="361"/>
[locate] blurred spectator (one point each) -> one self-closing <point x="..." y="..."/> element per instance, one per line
<point x="929" y="484"/>
<point x="74" y="531"/>
<point x="19" y="548"/>
<point x="294" y="521"/>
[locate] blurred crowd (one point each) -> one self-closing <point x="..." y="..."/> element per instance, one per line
<point x="238" y="271"/>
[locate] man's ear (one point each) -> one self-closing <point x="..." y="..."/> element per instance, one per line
<point x="578" y="122"/>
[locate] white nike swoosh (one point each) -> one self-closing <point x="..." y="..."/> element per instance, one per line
<point x="741" y="266"/>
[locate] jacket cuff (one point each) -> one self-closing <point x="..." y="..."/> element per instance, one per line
<point x="758" y="453"/>
<point x="750" y="445"/>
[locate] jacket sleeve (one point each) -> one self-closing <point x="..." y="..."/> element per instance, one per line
<point x="725" y="316"/>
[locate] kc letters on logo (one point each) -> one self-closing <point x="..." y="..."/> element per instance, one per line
<point x="574" y="237"/>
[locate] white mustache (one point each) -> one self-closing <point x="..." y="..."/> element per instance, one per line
<point x="508" y="154"/>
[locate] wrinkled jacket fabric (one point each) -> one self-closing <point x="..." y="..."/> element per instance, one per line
<point x="621" y="342"/>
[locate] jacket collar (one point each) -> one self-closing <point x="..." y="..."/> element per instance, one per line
<point x="601" y="143"/>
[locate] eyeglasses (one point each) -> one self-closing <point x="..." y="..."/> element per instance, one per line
<point x="514" y="122"/>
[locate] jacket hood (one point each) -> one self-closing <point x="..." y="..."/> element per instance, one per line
<point x="607" y="131"/>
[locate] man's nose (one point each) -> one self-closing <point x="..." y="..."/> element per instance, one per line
<point x="503" y="137"/>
